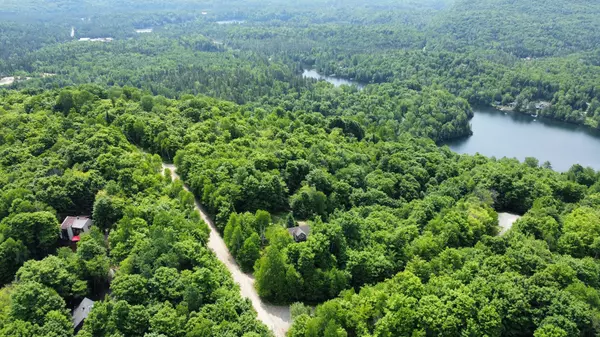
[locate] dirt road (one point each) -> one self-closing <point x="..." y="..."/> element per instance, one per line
<point x="277" y="318"/>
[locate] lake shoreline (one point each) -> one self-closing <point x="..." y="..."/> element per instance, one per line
<point x="515" y="135"/>
<point x="508" y="108"/>
<point x="501" y="132"/>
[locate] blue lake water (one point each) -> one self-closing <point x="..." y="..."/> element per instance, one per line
<point x="336" y="81"/>
<point x="513" y="135"/>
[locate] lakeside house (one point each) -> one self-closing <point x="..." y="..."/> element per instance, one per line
<point x="299" y="233"/>
<point x="73" y="226"/>
<point x="542" y="105"/>
<point x="80" y="313"/>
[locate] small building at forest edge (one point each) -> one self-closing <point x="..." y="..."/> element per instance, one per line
<point x="81" y="312"/>
<point x="73" y="226"/>
<point x="299" y="233"/>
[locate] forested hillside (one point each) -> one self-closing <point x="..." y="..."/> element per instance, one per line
<point x="377" y="208"/>
<point x="340" y="200"/>
<point x="167" y="282"/>
<point x="488" y="52"/>
<point x="535" y="28"/>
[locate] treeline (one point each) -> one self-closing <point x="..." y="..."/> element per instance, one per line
<point x="370" y="43"/>
<point x="385" y="111"/>
<point x="194" y="64"/>
<point x="166" y="282"/>
<point x="17" y="39"/>
<point x="402" y="49"/>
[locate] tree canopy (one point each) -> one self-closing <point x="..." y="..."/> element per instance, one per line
<point x="341" y="197"/>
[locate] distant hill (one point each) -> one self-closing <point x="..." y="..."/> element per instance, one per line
<point x="524" y="28"/>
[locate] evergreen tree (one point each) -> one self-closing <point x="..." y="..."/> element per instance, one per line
<point x="290" y="221"/>
<point x="271" y="282"/>
<point x="249" y="253"/>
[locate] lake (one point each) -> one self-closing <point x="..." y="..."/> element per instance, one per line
<point x="514" y="135"/>
<point x="7" y="80"/>
<point x="336" y="81"/>
<point x="230" y="22"/>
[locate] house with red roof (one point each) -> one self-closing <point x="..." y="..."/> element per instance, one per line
<point x="73" y="226"/>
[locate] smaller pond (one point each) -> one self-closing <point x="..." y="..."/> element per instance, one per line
<point x="7" y="80"/>
<point x="12" y="79"/>
<point x="99" y="39"/>
<point x="230" y="22"/>
<point x="336" y="81"/>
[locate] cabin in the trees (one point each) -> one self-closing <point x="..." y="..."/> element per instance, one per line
<point x="299" y="233"/>
<point x="542" y="105"/>
<point x="73" y="226"/>
<point x="81" y="312"/>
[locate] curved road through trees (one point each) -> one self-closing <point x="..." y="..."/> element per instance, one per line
<point x="277" y="318"/>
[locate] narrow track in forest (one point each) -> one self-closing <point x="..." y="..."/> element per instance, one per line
<point x="276" y="318"/>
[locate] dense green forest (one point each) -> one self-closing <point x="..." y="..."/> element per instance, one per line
<point x="496" y="52"/>
<point x="167" y="281"/>
<point x="404" y="235"/>
<point x="376" y="208"/>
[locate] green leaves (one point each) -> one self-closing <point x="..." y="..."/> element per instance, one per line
<point x="581" y="229"/>
<point x="274" y="277"/>
<point x="249" y="253"/>
<point x="38" y="231"/>
<point x="308" y="202"/>
<point x="12" y="255"/>
<point x="131" y="288"/>
<point x="56" y="273"/>
<point x="32" y="301"/>
<point x="107" y="210"/>
<point x="382" y="201"/>
<point x="166" y="285"/>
